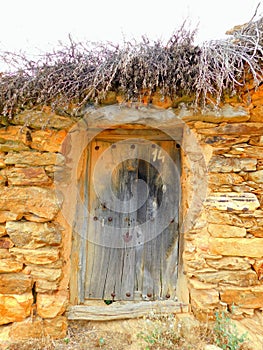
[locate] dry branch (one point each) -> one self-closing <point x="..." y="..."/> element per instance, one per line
<point x="82" y="73"/>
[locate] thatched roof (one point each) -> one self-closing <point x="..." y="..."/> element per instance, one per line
<point x="82" y="73"/>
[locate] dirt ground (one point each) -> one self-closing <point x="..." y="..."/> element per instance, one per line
<point x="137" y="334"/>
<point x="112" y="335"/>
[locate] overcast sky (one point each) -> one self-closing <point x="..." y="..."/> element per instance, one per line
<point x="29" y="24"/>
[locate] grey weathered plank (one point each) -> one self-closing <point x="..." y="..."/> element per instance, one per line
<point x="128" y="274"/>
<point x="97" y="254"/>
<point x="78" y="254"/>
<point x="169" y="251"/>
<point x="119" y="311"/>
<point x="128" y="221"/>
<point x="134" y="131"/>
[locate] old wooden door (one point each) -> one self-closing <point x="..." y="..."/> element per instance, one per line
<point x="133" y="200"/>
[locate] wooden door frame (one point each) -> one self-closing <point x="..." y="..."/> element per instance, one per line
<point x="193" y="164"/>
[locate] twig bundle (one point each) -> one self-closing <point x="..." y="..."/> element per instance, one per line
<point x="82" y="73"/>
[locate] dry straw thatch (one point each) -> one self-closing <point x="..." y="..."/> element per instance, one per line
<point x="83" y="73"/>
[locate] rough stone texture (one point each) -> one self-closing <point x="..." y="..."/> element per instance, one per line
<point x="2" y="230"/>
<point x="257" y="141"/>
<point x="4" y="254"/>
<point x="43" y="273"/>
<point x="251" y="298"/>
<point x="232" y="216"/>
<point x="51" y="305"/>
<point x="204" y="298"/>
<point x="159" y="101"/>
<point x="220" y="230"/>
<point x="33" y="176"/>
<point x="38" y="119"/>
<point x="233" y="201"/>
<point x="44" y="286"/>
<point x="2" y="160"/>
<point x="218" y="179"/>
<point x="33" y="235"/>
<point x="226" y="165"/>
<point x="258" y="267"/>
<point x="247" y="151"/>
<point x="229" y="172"/>
<point x="10" y="265"/>
<point x="48" y="140"/>
<point x="230" y="263"/>
<point x="225" y="141"/>
<point x="203" y="302"/>
<point x="235" y="129"/>
<point x="217" y="217"/>
<point x="237" y="278"/>
<point x="15" y="283"/>
<point x="34" y="218"/>
<point x="12" y="146"/>
<point x="226" y="113"/>
<point x="39" y="256"/>
<point x="39" y="201"/>
<point x="252" y="247"/>
<point x="6" y="243"/>
<point x="34" y="158"/>
<point x="196" y="284"/>
<point x="257" y="232"/>
<point x="3" y="180"/>
<point x="8" y="215"/>
<point x="15" y="307"/>
<point x="55" y="328"/>
<point x="14" y="133"/>
<point x="256" y="176"/>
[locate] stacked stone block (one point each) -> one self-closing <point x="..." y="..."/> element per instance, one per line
<point x="32" y="294"/>
<point x="222" y="250"/>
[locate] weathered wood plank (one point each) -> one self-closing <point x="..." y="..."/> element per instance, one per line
<point x="156" y="268"/>
<point x="112" y="280"/>
<point x="169" y="250"/>
<point x="97" y="254"/>
<point x="169" y="266"/>
<point x="119" y="311"/>
<point x="128" y="220"/>
<point x="136" y="131"/>
<point x="128" y="274"/>
<point x="78" y="254"/>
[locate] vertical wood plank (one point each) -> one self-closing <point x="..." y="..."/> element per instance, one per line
<point x="169" y="250"/>
<point x="97" y="254"/>
<point x="120" y="279"/>
<point x="114" y="274"/>
<point x="129" y="222"/>
<point x="80" y="226"/>
<point x="149" y="256"/>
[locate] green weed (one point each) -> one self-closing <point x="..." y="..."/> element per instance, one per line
<point x="226" y="334"/>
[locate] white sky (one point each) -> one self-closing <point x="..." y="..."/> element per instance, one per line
<point x="29" y="24"/>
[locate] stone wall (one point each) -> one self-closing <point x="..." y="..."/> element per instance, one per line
<point x="223" y="251"/>
<point x="33" y="282"/>
<point x="223" y="255"/>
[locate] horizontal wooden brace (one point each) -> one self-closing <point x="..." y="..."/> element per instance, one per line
<point x="125" y="310"/>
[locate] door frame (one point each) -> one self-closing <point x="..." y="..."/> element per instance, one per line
<point x="193" y="187"/>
